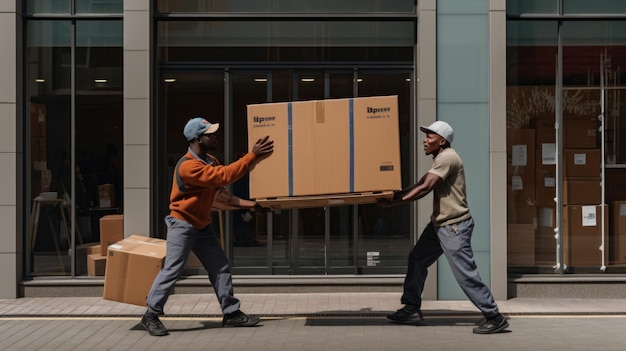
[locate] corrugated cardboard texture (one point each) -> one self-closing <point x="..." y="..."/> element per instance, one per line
<point x="132" y="264"/>
<point x="111" y="231"/>
<point x="326" y="147"/>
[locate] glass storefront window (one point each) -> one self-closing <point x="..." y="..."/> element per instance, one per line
<point x="66" y="197"/>
<point x="80" y="6"/>
<point x="48" y="6"/>
<point x="516" y="7"/>
<point x="99" y="6"/>
<point x="264" y="41"/>
<point x="286" y="6"/>
<point x="594" y="7"/>
<point x="48" y="83"/>
<point x="565" y="181"/>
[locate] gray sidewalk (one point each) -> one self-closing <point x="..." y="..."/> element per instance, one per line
<point x="309" y="321"/>
<point x="302" y="304"/>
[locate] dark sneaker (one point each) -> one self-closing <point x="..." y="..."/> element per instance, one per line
<point x="407" y="314"/>
<point x="481" y="322"/>
<point x="492" y="325"/>
<point x="153" y="324"/>
<point x="239" y="319"/>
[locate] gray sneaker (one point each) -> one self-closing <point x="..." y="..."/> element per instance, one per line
<point x="153" y="324"/>
<point x="492" y="325"/>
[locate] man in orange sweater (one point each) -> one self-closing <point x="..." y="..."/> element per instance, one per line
<point x="198" y="178"/>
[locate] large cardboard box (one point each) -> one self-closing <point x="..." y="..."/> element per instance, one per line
<point x="580" y="132"/>
<point x="582" y="235"/>
<point x="582" y="191"/>
<point x="545" y="241"/>
<point x="582" y="163"/>
<point x="617" y="237"/>
<point x="544" y="130"/>
<point x="132" y="264"/>
<point x="521" y="244"/>
<point x="324" y="147"/>
<point x="111" y="231"/>
<point x="545" y="185"/>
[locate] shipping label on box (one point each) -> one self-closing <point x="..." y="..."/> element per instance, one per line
<point x="582" y="235"/>
<point x="326" y="147"/>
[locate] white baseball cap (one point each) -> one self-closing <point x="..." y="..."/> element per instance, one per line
<point x="440" y="127"/>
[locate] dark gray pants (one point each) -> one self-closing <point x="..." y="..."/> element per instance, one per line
<point x="454" y="241"/>
<point x="182" y="238"/>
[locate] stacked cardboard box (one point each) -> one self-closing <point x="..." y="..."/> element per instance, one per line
<point x="111" y="231"/>
<point x="582" y="236"/>
<point x="82" y="252"/>
<point x="132" y="264"/>
<point x="617" y="238"/>
<point x="581" y="188"/>
<point x="324" y="148"/>
<point x="545" y="185"/>
<point x="521" y="212"/>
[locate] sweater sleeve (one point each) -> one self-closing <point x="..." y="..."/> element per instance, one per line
<point x="196" y="173"/>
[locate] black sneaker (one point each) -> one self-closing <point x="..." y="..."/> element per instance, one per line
<point x="492" y="325"/>
<point x="153" y="324"/>
<point x="239" y="319"/>
<point x="407" y="314"/>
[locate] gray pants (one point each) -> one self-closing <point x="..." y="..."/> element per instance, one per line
<point x="182" y="238"/>
<point x="454" y="241"/>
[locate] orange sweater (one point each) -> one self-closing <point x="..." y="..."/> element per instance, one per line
<point x="195" y="185"/>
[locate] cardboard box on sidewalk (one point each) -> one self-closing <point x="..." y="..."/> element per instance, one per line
<point x="111" y="231"/>
<point x="96" y="265"/>
<point x="132" y="265"/>
<point x="324" y="147"/>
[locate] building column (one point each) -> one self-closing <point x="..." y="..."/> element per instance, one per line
<point x="426" y="67"/>
<point x="137" y="92"/>
<point x="11" y="150"/>
<point x="497" y="147"/>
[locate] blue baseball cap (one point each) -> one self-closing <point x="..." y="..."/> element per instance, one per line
<point x="198" y="126"/>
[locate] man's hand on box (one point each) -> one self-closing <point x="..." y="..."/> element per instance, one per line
<point x="263" y="146"/>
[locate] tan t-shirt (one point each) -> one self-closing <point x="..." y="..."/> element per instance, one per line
<point x="450" y="197"/>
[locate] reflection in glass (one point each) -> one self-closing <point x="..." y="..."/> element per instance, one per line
<point x="98" y="111"/>
<point x="99" y="6"/>
<point x="589" y="104"/>
<point x="263" y="41"/>
<point x="286" y="6"/>
<point x="47" y="6"/>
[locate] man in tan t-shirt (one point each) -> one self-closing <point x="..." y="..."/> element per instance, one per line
<point x="449" y="232"/>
